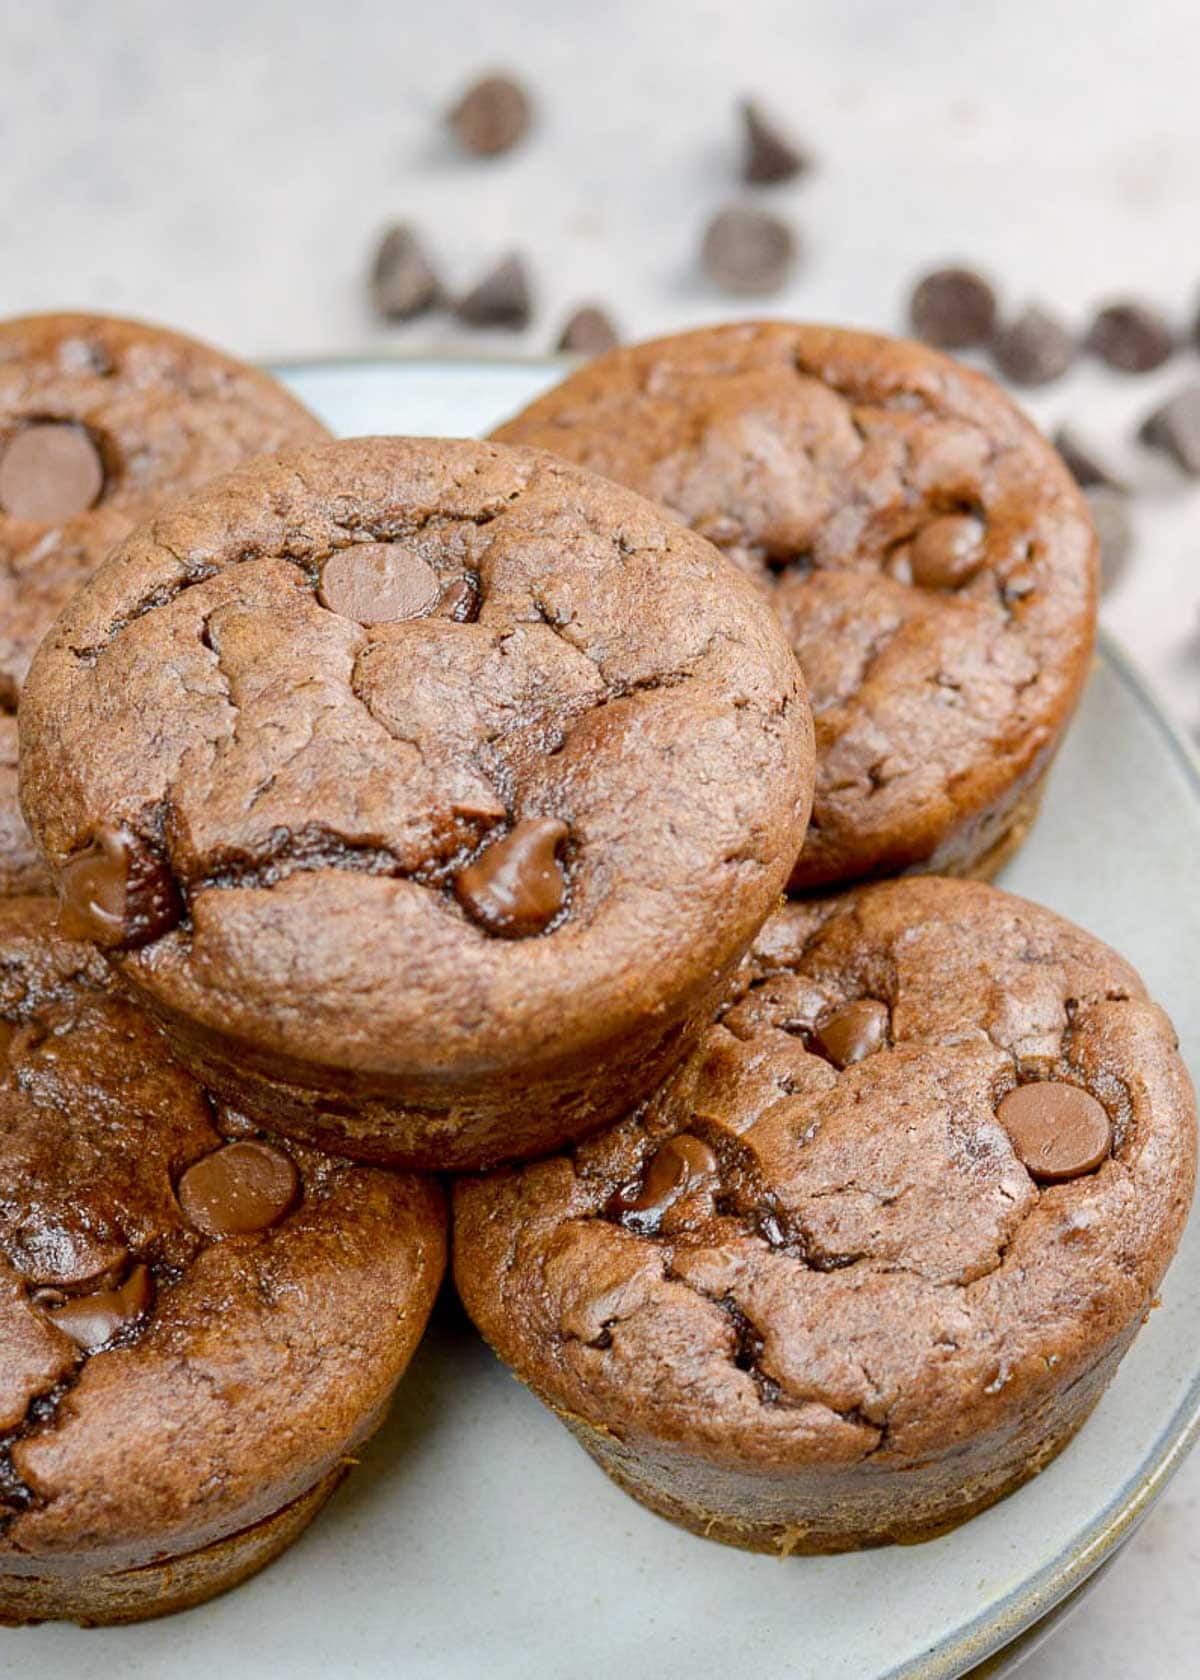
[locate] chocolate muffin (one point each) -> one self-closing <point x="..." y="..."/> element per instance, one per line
<point x="427" y="791"/>
<point x="100" y="421"/>
<point x="869" y="1259"/>
<point x="929" y="556"/>
<point x="227" y="1313"/>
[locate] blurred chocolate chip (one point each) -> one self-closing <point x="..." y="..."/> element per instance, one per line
<point x="853" y="1033"/>
<point x="403" y="283"/>
<point x="1085" y="462"/>
<point x="117" y="892"/>
<point x="748" y="252"/>
<point x="516" y="887"/>
<point x="501" y="298"/>
<point x="491" y="116"/>
<point x="50" y="472"/>
<point x="1034" y="348"/>
<point x="1131" y="337"/>
<point x="946" y="552"/>
<point x="1110" y="515"/>
<point x="1175" y="429"/>
<point x="769" y="155"/>
<point x="953" y="308"/>
<point x="588" y="332"/>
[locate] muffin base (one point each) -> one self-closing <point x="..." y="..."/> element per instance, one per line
<point x="814" y="1513"/>
<point x="159" y="1589"/>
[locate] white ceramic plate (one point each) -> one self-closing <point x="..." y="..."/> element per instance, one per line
<point x="477" y="1538"/>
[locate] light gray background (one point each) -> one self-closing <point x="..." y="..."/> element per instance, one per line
<point x="227" y="166"/>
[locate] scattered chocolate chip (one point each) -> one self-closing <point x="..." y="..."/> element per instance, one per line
<point x="117" y="892"/>
<point x="953" y="308"/>
<point x="239" y="1189"/>
<point x="946" y="552"/>
<point x="675" y="1167"/>
<point x="378" y="583"/>
<point x="852" y="1033"/>
<point x="588" y="332"/>
<point x="1033" y="349"/>
<point x="92" y="1320"/>
<point x="49" y="472"/>
<point x="501" y="299"/>
<point x="1085" y="463"/>
<point x="1175" y="429"/>
<point x="747" y="252"/>
<point x="1057" y="1130"/>
<point x="1131" y="337"/>
<point x="403" y="282"/>
<point x="460" y="602"/>
<point x="769" y="156"/>
<point x="516" y="887"/>
<point x="1110" y="515"/>
<point x="491" y="116"/>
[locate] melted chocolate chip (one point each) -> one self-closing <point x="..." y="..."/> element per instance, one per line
<point x="852" y="1033"/>
<point x="239" y="1189"/>
<point x="117" y="893"/>
<point x="93" y="1320"/>
<point x="516" y="887"/>
<point x="460" y="602"/>
<point x="676" y="1167"/>
<point x="946" y="552"/>
<point x="378" y="583"/>
<point x="49" y="472"/>
<point x="1057" y="1130"/>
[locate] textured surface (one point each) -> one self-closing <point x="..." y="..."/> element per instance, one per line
<point x="261" y="1360"/>
<point x="929" y="557"/>
<point x="867" y="1318"/>
<point x="164" y="414"/>
<point x="315" y="786"/>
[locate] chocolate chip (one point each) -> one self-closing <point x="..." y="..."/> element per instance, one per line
<point x="852" y="1033"/>
<point x="1131" y="337"/>
<point x="675" y="1168"/>
<point x="460" y="602"/>
<point x="1110" y="515"/>
<point x="953" y="308"/>
<point x="747" y="252"/>
<point x="492" y="115"/>
<point x="49" y="472"/>
<point x="501" y="299"/>
<point x="516" y="887"/>
<point x="378" y="583"/>
<point x="239" y="1189"/>
<point x="117" y="892"/>
<point x="403" y="283"/>
<point x="588" y="332"/>
<point x="1057" y="1130"/>
<point x="1175" y="429"/>
<point x="946" y="552"/>
<point x="93" y="1320"/>
<point x="1085" y="462"/>
<point x="769" y="155"/>
<point x="1033" y="349"/>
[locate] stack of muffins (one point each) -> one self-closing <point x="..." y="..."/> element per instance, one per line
<point x="426" y="806"/>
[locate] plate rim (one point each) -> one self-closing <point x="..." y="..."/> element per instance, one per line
<point x="993" y="1631"/>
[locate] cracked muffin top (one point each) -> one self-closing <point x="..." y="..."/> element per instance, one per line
<point x="176" y="1291"/>
<point x="398" y="757"/>
<point x="100" y="421"/>
<point x="930" y="558"/>
<point x="929" y="1166"/>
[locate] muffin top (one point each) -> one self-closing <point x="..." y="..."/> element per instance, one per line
<point x="100" y="421"/>
<point x="929" y="556"/>
<point x="930" y="1164"/>
<point x="402" y="756"/>
<point x="177" y="1291"/>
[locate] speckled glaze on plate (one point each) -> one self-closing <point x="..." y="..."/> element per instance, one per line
<point x="478" y="1539"/>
